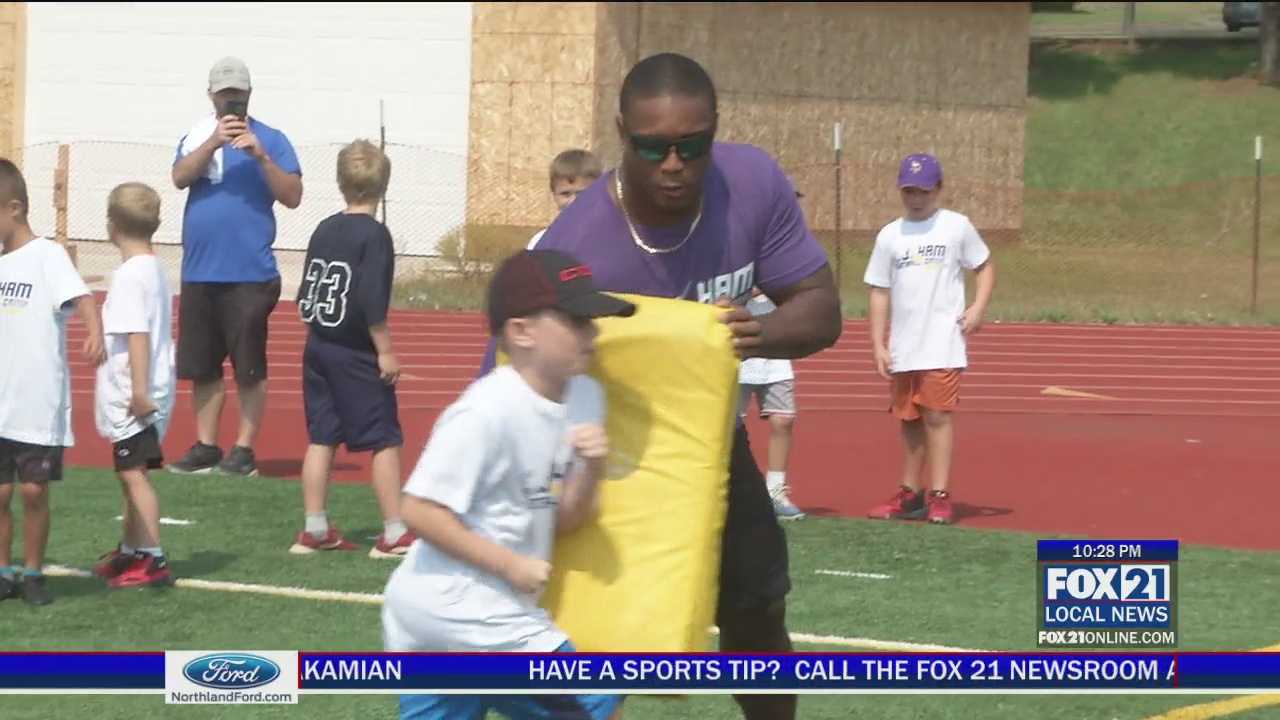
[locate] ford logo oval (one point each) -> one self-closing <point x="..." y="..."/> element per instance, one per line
<point x="231" y="671"/>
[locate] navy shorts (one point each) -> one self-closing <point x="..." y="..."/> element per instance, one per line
<point x="514" y="707"/>
<point x="346" y="401"/>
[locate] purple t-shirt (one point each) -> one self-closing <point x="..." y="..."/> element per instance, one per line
<point x="752" y="232"/>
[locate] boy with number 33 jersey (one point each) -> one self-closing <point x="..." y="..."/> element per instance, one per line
<point x="349" y="368"/>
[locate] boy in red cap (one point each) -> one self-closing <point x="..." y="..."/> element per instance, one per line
<point x="483" y="498"/>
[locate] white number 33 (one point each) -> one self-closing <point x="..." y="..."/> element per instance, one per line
<point x="324" y="297"/>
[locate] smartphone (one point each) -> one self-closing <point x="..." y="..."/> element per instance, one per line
<point x="239" y="108"/>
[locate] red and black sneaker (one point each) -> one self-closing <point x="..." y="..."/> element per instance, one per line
<point x="939" y="502"/>
<point x="396" y="549"/>
<point x="145" y="569"/>
<point x="112" y="564"/>
<point x="906" y="504"/>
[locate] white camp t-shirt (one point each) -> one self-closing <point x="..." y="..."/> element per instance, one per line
<point x="923" y="264"/>
<point x="139" y="301"/>
<point x="764" y="371"/>
<point x="493" y="458"/>
<point x="38" y="283"/>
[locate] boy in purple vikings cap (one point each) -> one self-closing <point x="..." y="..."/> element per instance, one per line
<point x="916" y="272"/>
<point x="684" y="216"/>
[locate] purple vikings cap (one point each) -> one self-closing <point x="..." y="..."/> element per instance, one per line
<point x="920" y="170"/>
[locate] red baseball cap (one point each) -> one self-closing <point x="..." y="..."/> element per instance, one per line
<point x="531" y="281"/>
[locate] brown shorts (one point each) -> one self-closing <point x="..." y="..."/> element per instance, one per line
<point x="923" y="389"/>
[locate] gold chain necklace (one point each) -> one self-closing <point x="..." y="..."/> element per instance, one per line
<point x="635" y="236"/>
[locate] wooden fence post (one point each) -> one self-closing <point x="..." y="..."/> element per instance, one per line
<point x="60" y="177"/>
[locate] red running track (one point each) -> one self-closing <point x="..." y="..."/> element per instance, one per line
<point x="1183" y="430"/>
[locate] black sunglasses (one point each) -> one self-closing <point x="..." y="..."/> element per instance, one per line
<point x="655" y="149"/>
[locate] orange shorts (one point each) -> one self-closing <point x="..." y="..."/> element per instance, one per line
<point x="928" y="389"/>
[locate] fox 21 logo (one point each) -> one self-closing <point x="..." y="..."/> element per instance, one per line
<point x="1129" y="583"/>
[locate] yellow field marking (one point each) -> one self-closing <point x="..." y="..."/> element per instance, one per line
<point x="1220" y="708"/>
<point x="1066" y="392"/>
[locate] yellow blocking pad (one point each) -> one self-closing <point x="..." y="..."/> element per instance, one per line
<point x="643" y="576"/>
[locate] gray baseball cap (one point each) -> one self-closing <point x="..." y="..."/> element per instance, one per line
<point x="229" y="74"/>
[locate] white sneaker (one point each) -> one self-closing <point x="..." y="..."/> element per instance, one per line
<point x="782" y="505"/>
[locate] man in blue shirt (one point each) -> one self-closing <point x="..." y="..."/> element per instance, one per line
<point x="235" y="168"/>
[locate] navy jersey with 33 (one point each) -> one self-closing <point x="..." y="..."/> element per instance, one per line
<point x="347" y="279"/>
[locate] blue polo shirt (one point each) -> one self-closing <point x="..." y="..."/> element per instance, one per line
<point x="228" y="228"/>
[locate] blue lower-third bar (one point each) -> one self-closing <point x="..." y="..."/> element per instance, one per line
<point x="82" y="671"/>
<point x="832" y="672"/>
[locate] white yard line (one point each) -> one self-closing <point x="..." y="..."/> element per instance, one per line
<point x="298" y="593"/>
<point x="851" y="574"/>
<point x="168" y="521"/>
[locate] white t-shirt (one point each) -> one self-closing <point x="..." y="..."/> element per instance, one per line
<point x="139" y="301"/>
<point x="38" y="283"/>
<point x="922" y="264"/>
<point x="494" y="458"/>
<point x="763" y="371"/>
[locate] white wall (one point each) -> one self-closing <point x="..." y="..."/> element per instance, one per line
<point x="122" y="82"/>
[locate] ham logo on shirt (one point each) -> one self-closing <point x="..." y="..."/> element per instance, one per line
<point x="923" y="256"/>
<point x="736" y="285"/>
<point x="15" y="295"/>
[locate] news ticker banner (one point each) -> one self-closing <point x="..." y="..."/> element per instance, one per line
<point x="1107" y="594"/>
<point x="232" y="677"/>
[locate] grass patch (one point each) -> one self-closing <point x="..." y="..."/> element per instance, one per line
<point x="1140" y="189"/>
<point x="468" y="257"/>
<point x="1110" y="285"/>
<point x="1103" y="118"/>
<point x="1110" y="15"/>
<point x="957" y="586"/>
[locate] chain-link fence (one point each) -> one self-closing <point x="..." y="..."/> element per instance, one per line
<point x="69" y="183"/>
<point x="426" y="200"/>
<point x="1206" y="251"/>
<point x="1183" y="254"/>
<point x="1179" y="254"/>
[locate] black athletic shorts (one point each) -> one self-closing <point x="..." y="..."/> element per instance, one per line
<point x="754" y="564"/>
<point x="138" y="452"/>
<point x="221" y="320"/>
<point x="27" y="463"/>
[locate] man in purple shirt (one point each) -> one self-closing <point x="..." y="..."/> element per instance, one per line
<point x="687" y="217"/>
